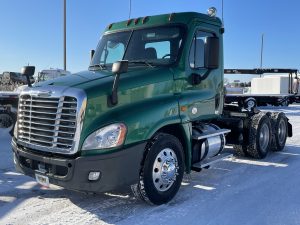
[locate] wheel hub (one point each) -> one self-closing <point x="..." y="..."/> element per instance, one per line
<point x="281" y="131"/>
<point x="264" y="137"/>
<point x="165" y="169"/>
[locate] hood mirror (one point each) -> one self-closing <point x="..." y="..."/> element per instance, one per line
<point x="28" y="71"/>
<point x="118" y="68"/>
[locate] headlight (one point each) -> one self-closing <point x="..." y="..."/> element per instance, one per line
<point x="107" y="137"/>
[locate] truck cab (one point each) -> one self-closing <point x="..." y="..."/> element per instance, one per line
<point x="148" y="109"/>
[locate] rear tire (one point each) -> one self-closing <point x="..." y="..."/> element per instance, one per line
<point x="280" y="131"/>
<point x="260" y="136"/>
<point x="162" y="170"/>
<point x="240" y="150"/>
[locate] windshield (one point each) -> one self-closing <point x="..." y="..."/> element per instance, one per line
<point x="50" y="75"/>
<point x="151" y="46"/>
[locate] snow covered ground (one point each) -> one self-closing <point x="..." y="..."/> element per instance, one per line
<point x="235" y="191"/>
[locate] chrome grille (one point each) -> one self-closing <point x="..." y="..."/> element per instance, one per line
<point x="48" y="122"/>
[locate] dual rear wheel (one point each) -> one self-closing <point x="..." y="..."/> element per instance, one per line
<point x="267" y="132"/>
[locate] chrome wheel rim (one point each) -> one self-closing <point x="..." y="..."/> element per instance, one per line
<point x="264" y="137"/>
<point x="165" y="170"/>
<point x="281" y="131"/>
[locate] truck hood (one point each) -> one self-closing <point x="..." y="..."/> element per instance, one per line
<point x="76" y="79"/>
<point x="102" y="79"/>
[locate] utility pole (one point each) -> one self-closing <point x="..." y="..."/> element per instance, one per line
<point x="65" y="34"/>
<point x="222" y="13"/>
<point x="261" y="51"/>
<point x="129" y="9"/>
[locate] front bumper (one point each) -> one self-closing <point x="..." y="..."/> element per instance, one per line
<point x="117" y="169"/>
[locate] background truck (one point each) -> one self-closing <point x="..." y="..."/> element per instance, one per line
<point x="14" y="78"/>
<point x="149" y="109"/>
<point x="279" y="89"/>
<point x="51" y="74"/>
<point x="9" y="99"/>
<point x="8" y="109"/>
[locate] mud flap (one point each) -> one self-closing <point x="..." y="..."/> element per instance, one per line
<point x="290" y="130"/>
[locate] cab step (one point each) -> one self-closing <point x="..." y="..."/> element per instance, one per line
<point x="208" y="162"/>
<point x="209" y="134"/>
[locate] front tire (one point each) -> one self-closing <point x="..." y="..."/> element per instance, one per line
<point x="162" y="170"/>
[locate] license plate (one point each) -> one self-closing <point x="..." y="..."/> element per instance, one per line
<point x="42" y="180"/>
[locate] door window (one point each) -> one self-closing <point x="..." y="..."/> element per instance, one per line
<point x="197" y="51"/>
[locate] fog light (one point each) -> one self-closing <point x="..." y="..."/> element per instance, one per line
<point x="94" y="176"/>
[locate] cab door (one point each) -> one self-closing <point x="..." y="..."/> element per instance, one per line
<point x="203" y="86"/>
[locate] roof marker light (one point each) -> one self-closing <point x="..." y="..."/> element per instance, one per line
<point x="110" y="26"/>
<point x="212" y="12"/>
<point x="136" y="21"/>
<point x="128" y="22"/>
<point x="145" y="19"/>
<point x="171" y="16"/>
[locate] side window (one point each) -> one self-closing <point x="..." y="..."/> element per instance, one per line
<point x="112" y="52"/>
<point x="163" y="48"/>
<point x="197" y="51"/>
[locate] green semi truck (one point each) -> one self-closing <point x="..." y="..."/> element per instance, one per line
<point x="149" y="109"/>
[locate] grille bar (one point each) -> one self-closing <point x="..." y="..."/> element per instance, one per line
<point x="47" y="124"/>
<point x="44" y="130"/>
<point x="42" y="141"/>
<point x="47" y="107"/>
<point x="44" y="118"/>
<point x="46" y="136"/>
<point x="32" y="111"/>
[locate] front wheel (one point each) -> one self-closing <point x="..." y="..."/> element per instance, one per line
<point x="162" y="171"/>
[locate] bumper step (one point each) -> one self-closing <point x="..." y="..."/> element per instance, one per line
<point x="208" y="162"/>
<point x="211" y="134"/>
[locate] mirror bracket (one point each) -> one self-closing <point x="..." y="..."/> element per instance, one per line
<point x="28" y="71"/>
<point x="118" y="68"/>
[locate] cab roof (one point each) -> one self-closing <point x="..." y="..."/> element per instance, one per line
<point x="163" y="19"/>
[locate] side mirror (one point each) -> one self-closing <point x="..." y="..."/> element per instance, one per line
<point x="117" y="68"/>
<point x="28" y="71"/>
<point x="212" y="48"/>
<point x="120" y="67"/>
<point x="92" y="53"/>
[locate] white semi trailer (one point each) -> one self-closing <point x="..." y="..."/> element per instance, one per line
<point x="280" y="89"/>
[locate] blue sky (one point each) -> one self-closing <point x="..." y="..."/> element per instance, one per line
<point x="32" y="30"/>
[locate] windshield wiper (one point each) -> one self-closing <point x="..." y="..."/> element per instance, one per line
<point x="98" y="66"/>
<point x="141" y="62"/>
